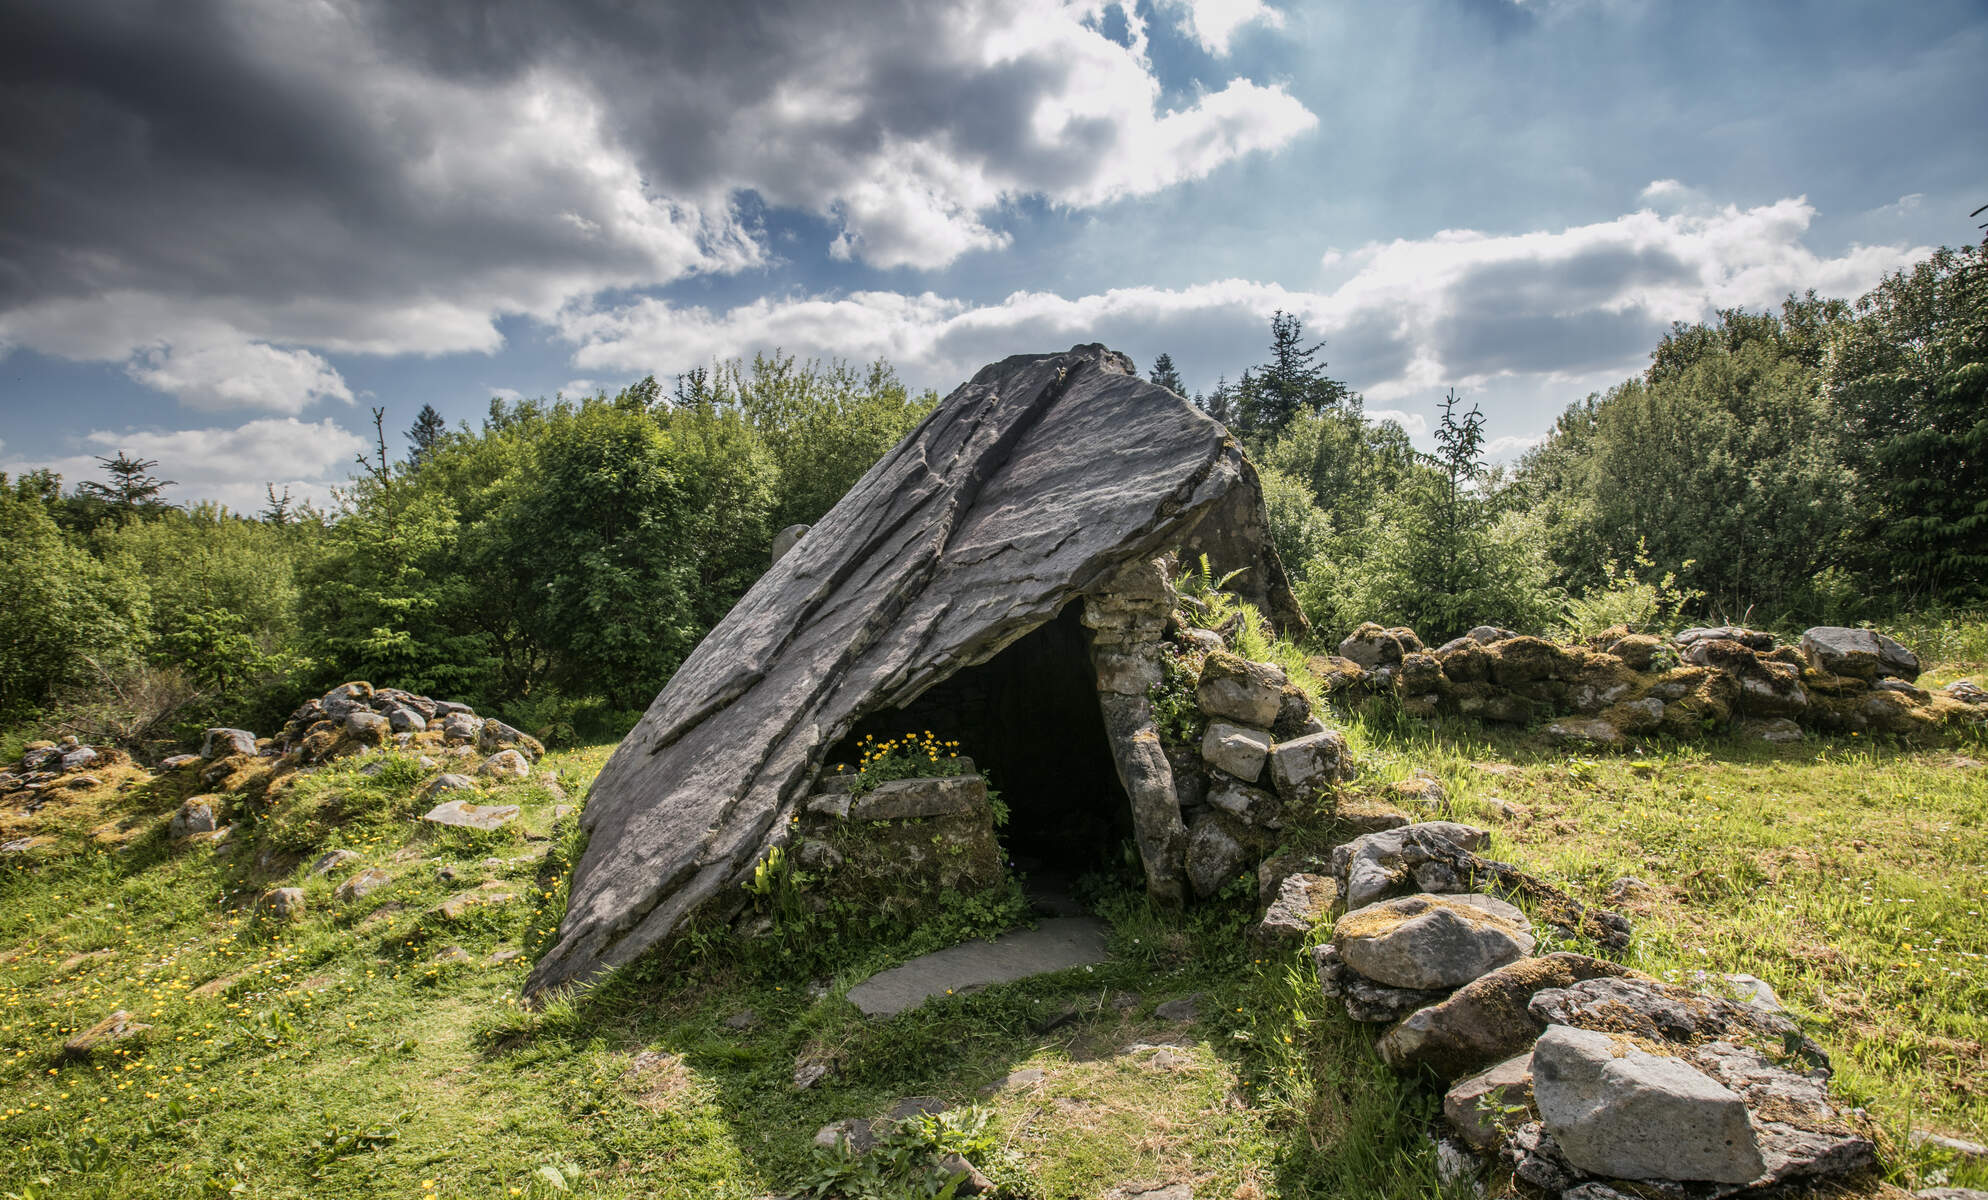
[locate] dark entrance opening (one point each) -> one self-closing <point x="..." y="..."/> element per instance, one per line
<point x="1029" y="719"/>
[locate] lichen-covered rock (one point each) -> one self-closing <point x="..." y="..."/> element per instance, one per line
<point x="196" y="815"/>
<point x="1302" y="901"/>
<point x="1216" y="853"/>
<point x="495" y="736"/>
<point x="1419" y="672"/>
<point x="1523" y="660"/>
<point x="367" y="728"/>
<point x="506" y="764"/>
<point x="1858" y="653"/>
<point x="281" y="902"/>
<point x="1584" y="731"/>
<point x="1304" y="767"/>
<point x="1373" y="646"/>
<point x="1335" y="674"/>
<point x="445" y="783"/>
<point x="907" y="799"/>
<point x="1429" y="942"/>
<point x="369" y="880"/>
<point x="1366" y="1001"/>
<point x="1637" y="651"/>
<point x="1486" y="1106"/>
<point x="1639" y="1006"/>
<point x="1252" y="806"/>
<point x="220" y="743"/>
<point x="1778" y="730"/>
<point x="1236" y="749"/>
<point x="1237" y="689"/>
<point x="1374" y="864"/>
<point x="1620" y="1112"/>
<point x="1487" y="1019"/>
<point x="993" y="517"/>
<point x="463" y="815"/>
<point x="1752" y="639"/>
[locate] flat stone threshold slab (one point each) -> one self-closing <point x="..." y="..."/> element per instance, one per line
<point x="1053" y="945"/>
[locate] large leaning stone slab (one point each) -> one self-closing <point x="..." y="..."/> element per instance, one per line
<point x="1057" y="944"/>
<point x="1620" y="1112"/>
<point x="1429" y="942"/>
<point x="464" y="815"/>
<point x="1028" y="488"/>
<point x="903" y="799"/>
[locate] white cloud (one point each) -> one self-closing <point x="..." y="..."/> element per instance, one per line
<point x="1903" y="206"/>
<point x="1214" y="22"/>
<point x="509" y="395"/>
<point x="1511" y="445"/>
<point x="1457" y="308"/>
<point x="240" y="375"/>
<point x="1411" y="423"/>
<point x="229" y="465"/>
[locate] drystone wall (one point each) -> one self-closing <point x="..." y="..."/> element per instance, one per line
<point x="1624" y="685"/>
<point x="1559" y="1066"/>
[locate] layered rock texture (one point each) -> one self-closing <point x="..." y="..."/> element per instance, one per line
<point x="1620" y="685"/>
<point x="1044" y="481"/>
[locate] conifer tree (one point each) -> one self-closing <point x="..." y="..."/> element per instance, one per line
<point x="428" y="428"/>
<point x="132" y="485"/>
<point x="1164" y="374"/>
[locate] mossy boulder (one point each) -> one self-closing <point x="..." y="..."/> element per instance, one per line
<point x="1525" y="660"/>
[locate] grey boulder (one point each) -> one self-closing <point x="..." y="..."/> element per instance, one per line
<point x="1374" y="864"/>
<point x="1483" y="1107"/>
<point x="1487" y="1019"/>
<point x="1859" y="653"/>
<point x="1303" y="767"/>
<point x="1236" y="749"/>
<point x="1240" y="690"/>
<point x="1430" y="942"/>
<point x="220" y="743"/>
<point x="1618" y="1111"/>
<point x="194" y="816"/>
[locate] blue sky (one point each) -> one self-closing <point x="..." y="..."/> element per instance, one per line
<point x="232" y="227"/>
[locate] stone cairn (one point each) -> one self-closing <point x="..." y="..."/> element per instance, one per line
<point x="460" y="747"/>
<point x="1586" y="1078"/>
<point x="1620" y="684"/>
<point x="1579" y="1073"/>
<point x="47" y="768"/>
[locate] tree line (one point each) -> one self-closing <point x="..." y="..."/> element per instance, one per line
<point x="555" y="562"/>
<point x="1827" y="462"/>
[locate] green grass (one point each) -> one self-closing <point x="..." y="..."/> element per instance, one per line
<point x="333" y="1055"/>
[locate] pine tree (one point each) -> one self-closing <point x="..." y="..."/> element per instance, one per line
<point x="132" y="485"/>
<point x="427" y="430"/>
<point x="1220" y="403"/>
<point x="277" y="511"/>
<point x="1292" y="382"/>
<point x="1163" y="373"/>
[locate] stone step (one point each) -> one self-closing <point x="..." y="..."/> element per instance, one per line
<point x="1057" y="944"/>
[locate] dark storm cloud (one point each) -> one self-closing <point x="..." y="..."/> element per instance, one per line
<point x="301" y="166"/>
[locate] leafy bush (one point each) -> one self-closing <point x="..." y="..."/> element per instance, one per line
<point x="1625" y="598"/>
